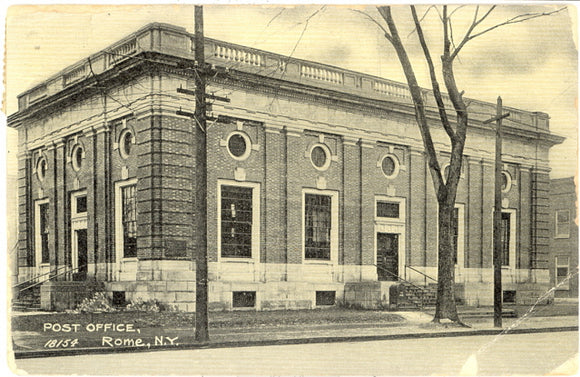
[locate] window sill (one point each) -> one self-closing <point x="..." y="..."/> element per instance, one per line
<point x="562" y="237"/>
<point x="237" y="260"/>
<point x="132" y="259"/>
<point x="319" y="261"/>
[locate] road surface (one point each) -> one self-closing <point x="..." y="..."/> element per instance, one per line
<point x="535" y="354"/>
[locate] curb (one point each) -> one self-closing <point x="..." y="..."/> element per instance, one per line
<point x="276" y="342"/>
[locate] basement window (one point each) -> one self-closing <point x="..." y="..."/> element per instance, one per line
<point x="244" y="299"/>
<point x="325" y="298"/>
<point x="119" y="299"/>
<point x="509" y="297"/>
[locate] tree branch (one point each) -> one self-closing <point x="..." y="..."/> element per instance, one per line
<point x="371" y="18"/>
<point x="473" y="25"/>
<point x="417" y="96"/>
<point x="517" y="19"/>
<point x="434" y="82"/>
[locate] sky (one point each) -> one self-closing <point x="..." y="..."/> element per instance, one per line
<point x="532" y="65"/>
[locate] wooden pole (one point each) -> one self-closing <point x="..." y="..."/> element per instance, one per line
<point x="200" y="215"/>
<point x="497" y="288"/>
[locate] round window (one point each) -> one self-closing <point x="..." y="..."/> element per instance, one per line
<point x="77" y="157"/>
<point x="41" y="168"/>
<point x="239" y="145"/>
<point x="320" y="156"/>
<point x="126" y="141"/>
<point x="506" y="181"/>
<point x="390" y="166"/>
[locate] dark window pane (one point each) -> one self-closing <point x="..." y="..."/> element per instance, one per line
<point x="127" y="143"/>
<point x="244" y="299"/>
<point x="504" y="181"/>
<point x="237" y="145"/>
<point x="325" y="298"/>
<point x="318" y="156"/>
<point x="317" y="212"/>
<point x="78" y="158"/>
<point x="81" y="204"/>
<point x="505" y="239"/>
<point x="44" y="232"/>
<point x="562" y="271"/>
<point x="388" y="209"/>
<point x="388" y="166"/>
<point x="236" y="222"/>
<point x="129" y="221"/>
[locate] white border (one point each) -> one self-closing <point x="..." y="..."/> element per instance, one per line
<point x="334" y="225"/>
<point x="248" y="142"/>
<point x="119" y="221"/>
<point x="395" y="161"/>
<point x="255" y="258"/>
<point x="327" y="152"/>
<point x="37" y="237"/>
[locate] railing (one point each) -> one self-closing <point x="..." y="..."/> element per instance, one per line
<point x="75" y="75"/>
<point x="398" y="278"/>
<point x="122" y="52"/>
<point x="321" y="74"/>
<point x="242" y="57"/>
<point x="238" y="55"/>
<point x="425" y="276"/>
<point x="50" y="277"/>
<point x="391" y="89"/>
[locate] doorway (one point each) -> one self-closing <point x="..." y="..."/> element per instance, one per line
<point x="387" y="256"/>
<point x="81" y="254"/>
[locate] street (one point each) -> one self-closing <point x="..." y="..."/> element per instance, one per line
<point x="535" y="354"/>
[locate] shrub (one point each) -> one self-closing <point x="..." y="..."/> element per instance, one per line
<point x="149" y="306"/>
<point x="97" y="304"/>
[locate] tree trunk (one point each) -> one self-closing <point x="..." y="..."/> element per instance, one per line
<point x="446" y="307"/>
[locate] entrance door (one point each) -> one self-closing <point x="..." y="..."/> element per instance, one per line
<point x="387" y="256"/>
<point x="81" y="251"/>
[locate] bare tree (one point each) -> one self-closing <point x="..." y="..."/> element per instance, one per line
<point x="445" y="189"/>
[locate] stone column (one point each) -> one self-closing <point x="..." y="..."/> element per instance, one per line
<point x="418" y="179"/>
<point x="273" y="214"/>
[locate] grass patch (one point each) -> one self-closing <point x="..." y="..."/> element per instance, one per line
<point x="216" y="319"/>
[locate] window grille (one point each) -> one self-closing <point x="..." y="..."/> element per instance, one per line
<point x="317" y="212"/>
<point x="129" y="221"/>
<point x="236" y="222"/>
<point x="44" y="232"/>
<point x="505" y="239"/>
<point x="388" y="209"/>
<point x="563" y="224"/>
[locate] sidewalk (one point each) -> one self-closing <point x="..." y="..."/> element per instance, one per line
<point x="415" y="325"/>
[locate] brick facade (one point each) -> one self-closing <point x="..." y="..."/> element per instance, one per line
<point x="280" y="129"/>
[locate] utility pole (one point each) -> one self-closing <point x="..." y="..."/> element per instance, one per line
<point x="201" y="299"/>
<point x="497" y="247"/>
<point x="200" y="118"/>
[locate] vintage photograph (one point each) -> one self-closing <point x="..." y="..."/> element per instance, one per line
<point x="275" y="189"/>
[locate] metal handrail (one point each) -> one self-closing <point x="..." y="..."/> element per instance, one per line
<point x="398" y="277"/>
<point x="421" y="273"/>
<point x="37" y="277"/>
<point x="421" y="289"/>
<point x="54" y="276"/>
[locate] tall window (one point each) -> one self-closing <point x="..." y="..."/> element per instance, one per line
<point x="43" y="230"/>
<point x="236" y="222"/>
<point x="505" y="238"/>
<point x="129" y="221"/>
<point x="317" y="220"/>
<point x="562" y="271"/>
<point x="563" y="223"/>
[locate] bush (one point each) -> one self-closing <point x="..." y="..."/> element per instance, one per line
<point x="99" y="303"/>
<point x="149" y="306"/>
